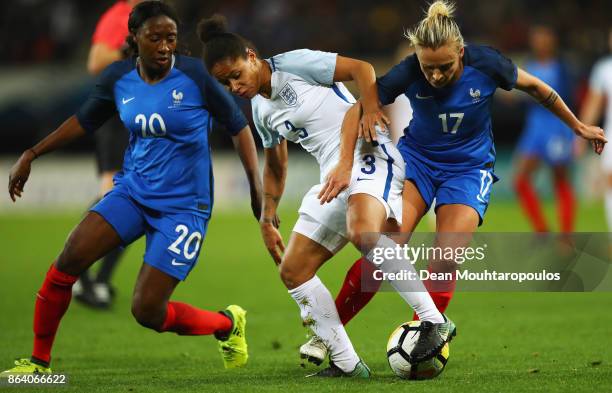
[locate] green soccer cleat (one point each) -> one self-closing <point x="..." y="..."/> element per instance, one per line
<point x="25" y="366"/>
<point x="233" y="346"/>
<point x="361" y="371"/>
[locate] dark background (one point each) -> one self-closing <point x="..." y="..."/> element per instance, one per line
<point x="45" y="43"/>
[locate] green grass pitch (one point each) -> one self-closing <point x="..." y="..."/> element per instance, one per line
<point x="507" y="342"/>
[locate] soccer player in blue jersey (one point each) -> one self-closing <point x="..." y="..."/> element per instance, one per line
<point x="546" y="139"/>
<point x="164" y="191"/>
<point x="448" y="145"/>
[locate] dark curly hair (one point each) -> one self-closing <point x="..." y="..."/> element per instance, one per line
<point x="219" y="43"/>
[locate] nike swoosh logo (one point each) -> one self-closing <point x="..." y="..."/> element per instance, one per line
<point x="126" y="101"/>
<point x="423" y="97"/>
<point x="175" y="263"/>
<point x="363" y="178"/>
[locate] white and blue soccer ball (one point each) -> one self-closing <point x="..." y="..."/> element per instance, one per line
<point x="400" y="346"/>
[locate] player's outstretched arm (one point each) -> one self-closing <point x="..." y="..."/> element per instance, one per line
<point x="245" y="146"/>
<point x="549" y="98"/>
<point x="339" y="178"/>
<point x="363" y="74"/>
<point x="274" y="175"/>
<point x="67" y="132"/>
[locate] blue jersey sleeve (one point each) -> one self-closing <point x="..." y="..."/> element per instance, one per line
<point x="396" y="81"/>
<point x="217" y="100"/>
<point x="100" y="105"/>
<point x="492" y="63"/>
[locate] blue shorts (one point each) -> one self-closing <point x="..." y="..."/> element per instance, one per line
<point x="470" y="187"/>
<point x="173" y="239"/>
<point x="554" y="145"/>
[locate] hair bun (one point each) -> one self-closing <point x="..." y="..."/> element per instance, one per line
<point x="211" y="27"/>
<point x="441" y="8"/>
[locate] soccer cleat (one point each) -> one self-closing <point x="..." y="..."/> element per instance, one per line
<point x="361" y="371"/>
<point x="432" y="338"/>
<point x="103" y="294"/>
<point x="452" y="329"/>
<point x="314" y="351"/>
<point x="233" y="346"/>
<point x="25" y="366"/>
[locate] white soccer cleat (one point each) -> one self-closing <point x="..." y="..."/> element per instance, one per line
<point x="315" y="350"/>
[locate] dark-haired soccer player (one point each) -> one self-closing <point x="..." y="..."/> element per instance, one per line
<point x="167" y="101"/>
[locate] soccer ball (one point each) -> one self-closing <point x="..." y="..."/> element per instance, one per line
<point x="400" y="345"/>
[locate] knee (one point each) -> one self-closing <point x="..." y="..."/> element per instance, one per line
<point x="293" y="277"/>
<point x="354" y="236"/>
<point x="148" y="314"/>
<point x="363" y="236"/>
<point x="71" y="257"/>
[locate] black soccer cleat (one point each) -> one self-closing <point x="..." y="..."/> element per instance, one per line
<point x="432" y="338"/>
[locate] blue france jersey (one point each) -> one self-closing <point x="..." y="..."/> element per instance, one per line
<point x="451" y="126"/>
<point x="539" y="118"/>
<point x="167" y="165"/>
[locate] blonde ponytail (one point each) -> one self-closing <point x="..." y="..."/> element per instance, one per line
<point x="438" y="28"/>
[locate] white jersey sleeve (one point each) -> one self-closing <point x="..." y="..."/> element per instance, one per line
<point x="269" y="136"/>
<point x="600" y="76"/>
<point x="315" y="67"/>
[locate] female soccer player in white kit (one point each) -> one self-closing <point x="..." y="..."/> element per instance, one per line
<point x="598" y="99"/>
<point x="297" y="96"/>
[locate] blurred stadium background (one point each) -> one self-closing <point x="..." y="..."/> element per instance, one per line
<point x="43" y="75"/>
<point x="508" y="341"/>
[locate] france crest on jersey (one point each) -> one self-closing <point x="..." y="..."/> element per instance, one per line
<point x="167" y="164"/>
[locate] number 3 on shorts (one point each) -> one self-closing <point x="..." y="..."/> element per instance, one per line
<point x="195" y="236"/>
<point x="369" y="161"/>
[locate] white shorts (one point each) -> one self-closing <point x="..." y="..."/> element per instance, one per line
<point x="606" y="156"/>
<point x="377" y="171"/>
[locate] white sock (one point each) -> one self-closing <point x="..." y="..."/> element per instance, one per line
<point x="412" y="291"/>
<point x="318" y="311"/>
<point x="608" y="203"/>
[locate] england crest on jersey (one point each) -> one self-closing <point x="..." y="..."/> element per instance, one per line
<point x="288" y="95"/>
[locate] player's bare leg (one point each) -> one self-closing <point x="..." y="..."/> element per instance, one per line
<point x="455" y="224"/>
<point x="302" y="259"/>
<point x="413" y="207"/>
<point x="97" y="292"/>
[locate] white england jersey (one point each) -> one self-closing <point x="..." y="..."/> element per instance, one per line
<point x="601" y="82"/>
<point x="306" y="106"/>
